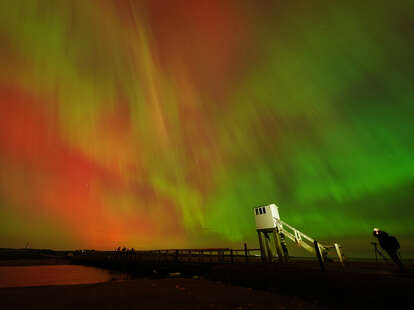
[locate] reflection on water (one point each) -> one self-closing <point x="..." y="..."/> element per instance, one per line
<point x="19" y="276"/>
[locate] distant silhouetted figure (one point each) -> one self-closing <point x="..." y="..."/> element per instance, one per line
<point x="390" y="245"/>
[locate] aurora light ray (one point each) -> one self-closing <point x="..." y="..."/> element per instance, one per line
<point x="163" y="123"/>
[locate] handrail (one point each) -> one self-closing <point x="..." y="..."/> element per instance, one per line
<point x="295" y="231"/>
<point x="298" y="236"/>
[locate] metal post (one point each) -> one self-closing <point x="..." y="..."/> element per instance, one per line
<point x="318" y="255"/>
<point x="231" y="256"/>
<point x="278" y="245"/>
<point x="338" y="252"/>
<point x="246" y="254"/>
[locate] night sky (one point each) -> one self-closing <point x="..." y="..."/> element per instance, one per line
<point x="161" y="124"/>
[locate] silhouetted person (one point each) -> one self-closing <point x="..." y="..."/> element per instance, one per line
<point x="390" y="245"/>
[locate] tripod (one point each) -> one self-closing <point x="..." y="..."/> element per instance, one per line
<point x="377" y="251"/>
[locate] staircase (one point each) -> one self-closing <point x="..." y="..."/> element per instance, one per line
<point x="306" y="242"/>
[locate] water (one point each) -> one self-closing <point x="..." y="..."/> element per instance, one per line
<point x="20" y="276"/>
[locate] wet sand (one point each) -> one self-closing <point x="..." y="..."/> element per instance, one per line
<point x="46" y="275"/>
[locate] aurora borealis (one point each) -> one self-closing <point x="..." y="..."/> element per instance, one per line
<point x="161" y="124"/>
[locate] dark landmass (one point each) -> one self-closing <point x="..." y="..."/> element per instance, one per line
<point x="32" y="257"/>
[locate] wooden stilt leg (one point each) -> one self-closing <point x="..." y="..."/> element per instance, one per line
<point x="262" y="249"/>
<point x="269" y="252"/>
<point x="319" y="255"/>
<point x="278" y="246"/>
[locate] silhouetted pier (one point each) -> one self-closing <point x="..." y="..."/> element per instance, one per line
<point x="210" y="255"/>
<point x="172" y="259"/>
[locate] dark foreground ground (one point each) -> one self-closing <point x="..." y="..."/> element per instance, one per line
<point x="181" y="293"/>
<point x="298" y="285"/>
<point x="148" y="294"/>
